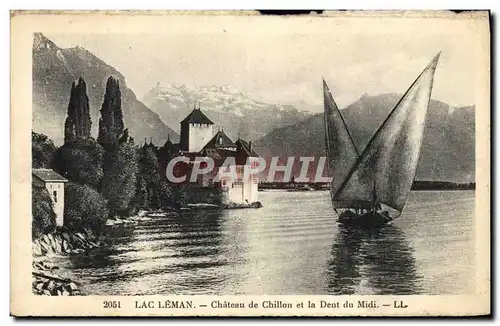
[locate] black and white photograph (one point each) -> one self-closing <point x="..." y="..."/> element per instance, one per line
<point x="259" y="156"/>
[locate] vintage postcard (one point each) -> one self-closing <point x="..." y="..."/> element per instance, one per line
<point x="241" y="164"/>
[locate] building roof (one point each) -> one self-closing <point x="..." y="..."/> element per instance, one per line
<point x="196" y="116"/>
<point x="247" y="147"/>
<point x="220" y="155"/>
<point x="48" y="175"/>
<point x="220" y="140"/>
<point x="170" y="146"/>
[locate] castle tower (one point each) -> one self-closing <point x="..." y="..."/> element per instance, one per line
<point x="196" y="131"/>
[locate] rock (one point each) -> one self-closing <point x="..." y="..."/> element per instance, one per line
<point x="50" y="285"/>
<point x="58" y="247"/>
<point x="93" y="244"/>
<point x="73" y="286"/>
<point x="37" y="250"/>
<point x="46" y="292"/>
<point x="39" y="286"/>
<point x="257" y="204"/>
<point x="65" y="293"/>
<point x="65" y="246"/>
<point x="45" y="239"/>
<point x="46" y="247"/>
<point x="66" y="236"/>
<point x="81" y="236"/>
<point x="52" y="241"/>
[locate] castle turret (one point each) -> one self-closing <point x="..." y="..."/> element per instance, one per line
<point x="196" y="131"/>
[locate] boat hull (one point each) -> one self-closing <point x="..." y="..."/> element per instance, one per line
<point x="370" y="220"/>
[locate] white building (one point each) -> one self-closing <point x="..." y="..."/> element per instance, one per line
<point x="196" y="131"/>
<point x="240" y="190"/>
<point x="54" y="183"/>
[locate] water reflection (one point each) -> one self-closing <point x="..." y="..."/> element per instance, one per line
<point x="199" y="249"/>
<point x="372" y="262"/>
<point x="290" y="246"/>
<point x="177" y="253"/>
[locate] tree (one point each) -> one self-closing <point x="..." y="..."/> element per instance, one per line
<point x="81" y="161"/>
<point x="179" y="197"/>
<point x="141" y="199"/>
<point x="42" y="210"/>
<point x="149" y="175"/>
<point x="111" y="126"/>
<point x="78" y="122"/>
<point x="84" y="208"/>
<point x="164" y="195"/>
<point x="42" y="151"/>
<point x="119" y="181"/>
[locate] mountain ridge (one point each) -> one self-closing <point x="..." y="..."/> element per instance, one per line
<point x="226" y="105"/>
<point x="448" y="146"/>
<point x="54" y="69"/>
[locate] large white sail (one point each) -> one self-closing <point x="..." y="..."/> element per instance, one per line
<point x="388" y="164"/>
<point x="341" y="150"/>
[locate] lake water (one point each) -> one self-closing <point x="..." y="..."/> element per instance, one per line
<point x="290" y="246"/>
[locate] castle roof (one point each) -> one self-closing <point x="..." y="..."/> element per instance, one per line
<point x="246" y="147"/>
<point x="48" y="175"/>
<point x="169" y="148"/>
<point x="220" y="147"/>
<point x="196" y="116"/>
<point x="169" y="145"/>
<point x="219" y="155"/>
<point x="219" y="141"/>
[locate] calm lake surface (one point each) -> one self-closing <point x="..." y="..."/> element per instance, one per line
<point x="290" y="246"/>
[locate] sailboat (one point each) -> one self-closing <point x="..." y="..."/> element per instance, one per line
<point x="370" y="188"/>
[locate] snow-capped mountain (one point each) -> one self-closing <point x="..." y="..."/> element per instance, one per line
<point x="225" y="105"/>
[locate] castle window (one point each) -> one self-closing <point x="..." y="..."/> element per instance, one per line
<point x="55" y="196"/>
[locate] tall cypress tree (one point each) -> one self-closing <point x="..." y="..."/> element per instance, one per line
<point x="111" y="126"/>
<point x="78" y="122"/>
<point x="118" y="184"/>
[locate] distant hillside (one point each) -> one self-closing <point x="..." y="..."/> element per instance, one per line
<point x="448" y="149"/>
<point x="225" y="105"/>
<point x="54" y="69"/>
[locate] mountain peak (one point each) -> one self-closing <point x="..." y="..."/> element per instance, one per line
<point x="42" y="42"/>
<point x="229" y="89"/>
<point x="56" y="69"/>
<point x="225" y="105"/>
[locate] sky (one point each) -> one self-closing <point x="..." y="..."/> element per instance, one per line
<point x="285" y="66"/>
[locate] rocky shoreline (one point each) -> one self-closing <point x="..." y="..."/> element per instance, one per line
<point x="63" y="242"/>
<point x="45" y="279"/>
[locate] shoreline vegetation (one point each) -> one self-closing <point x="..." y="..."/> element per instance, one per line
<point x="110" y="180"/>
<point x="312" y="186"/>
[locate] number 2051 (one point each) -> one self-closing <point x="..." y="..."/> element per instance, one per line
<point x="111" y="304"/>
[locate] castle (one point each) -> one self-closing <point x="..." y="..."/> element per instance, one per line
<point x="197" y="141"/>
